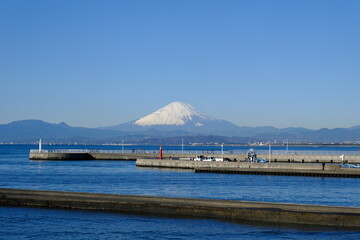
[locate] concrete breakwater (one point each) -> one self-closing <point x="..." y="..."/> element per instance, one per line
<point x="285" y="169"/>
<point x="118" y="155"/>
<point x="232" y="210"/>
<point x="61" y="156"/>
<point x="236" y="165"/>
<point x="282" y="172"/>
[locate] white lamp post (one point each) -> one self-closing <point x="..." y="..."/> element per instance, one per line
<point x="182" y="146"/>
<point x="222" y="151"/>
<point x="287" y="146"/>
<point x="269" y="152"/>
<point x="40" y="147"/>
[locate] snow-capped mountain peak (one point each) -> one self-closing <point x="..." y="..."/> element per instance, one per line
<point x="175" y="113"/>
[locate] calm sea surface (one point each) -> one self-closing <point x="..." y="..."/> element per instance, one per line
<point x="16" y="171"/>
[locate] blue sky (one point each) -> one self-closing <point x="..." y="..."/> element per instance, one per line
<point x="254" y="63"/>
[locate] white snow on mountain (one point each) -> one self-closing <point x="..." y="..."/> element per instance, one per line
<point x="176" y="113"/>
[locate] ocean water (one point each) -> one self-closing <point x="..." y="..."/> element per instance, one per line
<point x="16" y="171"/>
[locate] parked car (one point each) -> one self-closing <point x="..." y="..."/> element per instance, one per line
<point x="223" y="159"/>
<point x="209" y="159"/>
<point x="199" y="158"/>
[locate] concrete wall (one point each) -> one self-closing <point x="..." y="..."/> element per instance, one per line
<point x="60" y="156"/>
<point x="311" y="158"/>
<point x="280" y="158"/>
<point x="243" y="211"/>
<point x="85" y="156"/>
<point x="202" y="164"/>
<point x="238" y="157"/>
<point x="115" y="156"/>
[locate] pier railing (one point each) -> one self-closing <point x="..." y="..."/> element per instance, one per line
<point x="198" y="152"/>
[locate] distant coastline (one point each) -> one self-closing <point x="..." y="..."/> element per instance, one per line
<point x="317" y="145"/>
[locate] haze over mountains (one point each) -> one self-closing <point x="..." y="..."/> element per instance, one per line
<point x="170" y="124"/>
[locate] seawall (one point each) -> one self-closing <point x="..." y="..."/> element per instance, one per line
<point x="101" y="155"/>
<point x="284" y="169"/>
<point x="277" y="213"/>
<point x="61" y="156"/>
<point x="234" y="165"/>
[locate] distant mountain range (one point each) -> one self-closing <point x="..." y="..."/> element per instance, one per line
<point x="169" y="125"/>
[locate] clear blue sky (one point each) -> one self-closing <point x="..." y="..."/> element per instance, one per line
<point x="255" y="63"/>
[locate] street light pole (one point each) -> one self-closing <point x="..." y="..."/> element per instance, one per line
<point x="222" y="151"/>
<point x="287" y="146"/>
<point x="269" y="152"/>
<point x="182" y="146"/>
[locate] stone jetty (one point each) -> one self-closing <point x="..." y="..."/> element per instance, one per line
<point x="242" y="211"/>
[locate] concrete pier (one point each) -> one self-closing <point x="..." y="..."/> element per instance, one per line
<point x="104" y="155"/>
<point x="62" y="156"/>
<point x="276" y="213"/>
<point x="283" y="172"/>
<point x="285" y="169"/>
<point x="165" y="163"/>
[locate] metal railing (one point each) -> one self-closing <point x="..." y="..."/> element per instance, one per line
<point x="305" y="152"/>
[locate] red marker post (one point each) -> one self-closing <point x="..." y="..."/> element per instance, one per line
<point x="160" y="152"/>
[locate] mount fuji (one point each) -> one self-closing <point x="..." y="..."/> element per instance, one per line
<point x="179" y="118"/>
<point x="176" y="113"/>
